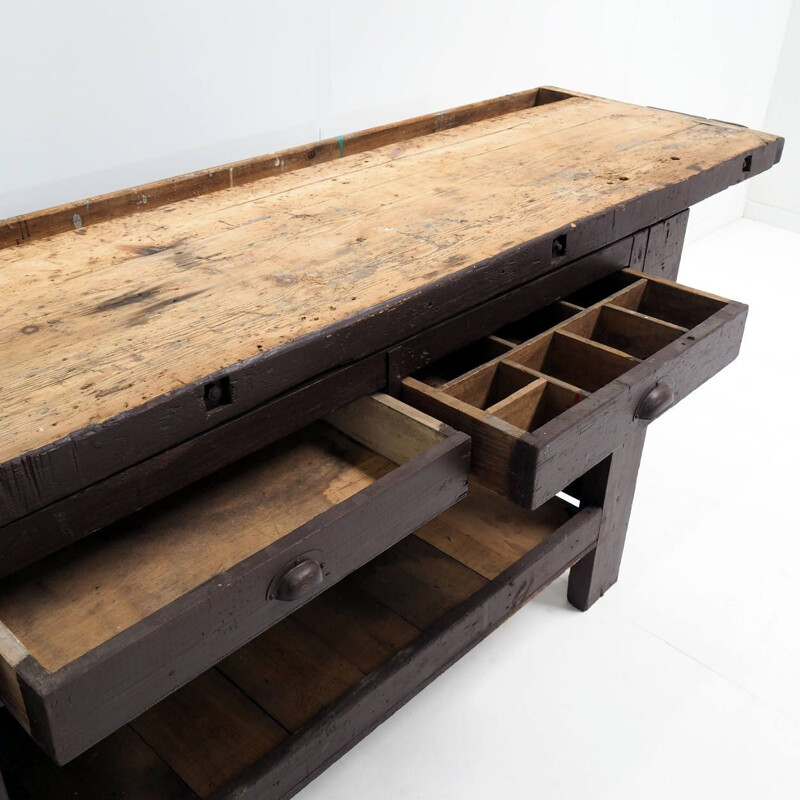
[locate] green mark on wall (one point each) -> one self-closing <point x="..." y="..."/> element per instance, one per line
<point x="340" y="139"/>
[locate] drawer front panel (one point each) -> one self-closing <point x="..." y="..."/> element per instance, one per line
<point x="85" y="698"/>
<point x="567" y="383"/>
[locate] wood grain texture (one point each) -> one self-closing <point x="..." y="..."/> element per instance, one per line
<point x="388" y="427"/>
<point x="111" y="684"/>
<point x="488" y="536"/>
<point x="670" y="302"/>
<point x="112" y="333"/>
<point x="66" y="605"/>
<point x="208" y="732"/>
<point x="494" y="441"/>
<point x="291" y="674"/>
<point x="554" y="399"/>
<point x="400" y="579"/>
<point x="581" y="363"/>
<point x="359" y="628"/>
<point x="625" y="330"/>
<point x="144" y="198"/>
<point x="665" y="245"/>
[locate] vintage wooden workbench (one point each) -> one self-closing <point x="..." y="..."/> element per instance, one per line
<point x="240" y="408"/>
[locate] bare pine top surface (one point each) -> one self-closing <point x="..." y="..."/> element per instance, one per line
<point x="101" y="318"/>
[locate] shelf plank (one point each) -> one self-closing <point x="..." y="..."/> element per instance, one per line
<point x="274" y="714"/>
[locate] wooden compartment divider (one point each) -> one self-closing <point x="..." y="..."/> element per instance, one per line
<point x="486" y="386"/>
<point x="611" y="342"/>
<point x="538" y="322"/>
<point x="531" y="411"/>
<point x="573" y="359"/>
<point x="530" y="392"/>
<point x="622" y="329"/>
<point x="581" y="393"/>
<point x="668" y="302"/>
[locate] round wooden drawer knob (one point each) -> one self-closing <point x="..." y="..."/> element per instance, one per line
<point x="655" y="402"/>
<point x="299" y="580"/>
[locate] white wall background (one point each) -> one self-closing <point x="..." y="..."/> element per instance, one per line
<point x="98" y="96"/>
<point x="775" y="197"/>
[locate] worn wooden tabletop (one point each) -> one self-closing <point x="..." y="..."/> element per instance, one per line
<point x="103" y="318"/>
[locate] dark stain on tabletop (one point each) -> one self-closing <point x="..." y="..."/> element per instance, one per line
<point x="151" y="251"/>
<point x="142" y="315"/>
<point x="129" y="298"/>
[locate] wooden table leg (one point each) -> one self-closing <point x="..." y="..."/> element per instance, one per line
<point x="610" y="484"/>
<point x="664" y="246"/>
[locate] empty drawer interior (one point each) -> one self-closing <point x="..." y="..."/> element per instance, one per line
<point x="247" y="709"/>
<point x="109" y="591"/>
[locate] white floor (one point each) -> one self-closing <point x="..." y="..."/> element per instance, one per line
<point x="684" y="680"/>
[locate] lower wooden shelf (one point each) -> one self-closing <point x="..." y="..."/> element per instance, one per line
<point x="272" y="716"/>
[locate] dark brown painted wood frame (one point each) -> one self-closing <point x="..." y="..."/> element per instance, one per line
<point x="294" y="763"/>
<point x="76" y="706"/>
<point x="43" y="690"/>
<point x="612" y="483"/>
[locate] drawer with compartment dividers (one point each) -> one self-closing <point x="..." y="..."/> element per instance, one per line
<point x="558" y="391"/>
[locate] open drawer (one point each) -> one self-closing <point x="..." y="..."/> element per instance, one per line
<point x="267" y="719"/>
<point x="549" y="396"/>
<point x="93" y="635"/>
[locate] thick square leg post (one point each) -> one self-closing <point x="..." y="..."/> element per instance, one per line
<point x="610" y="484"/>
